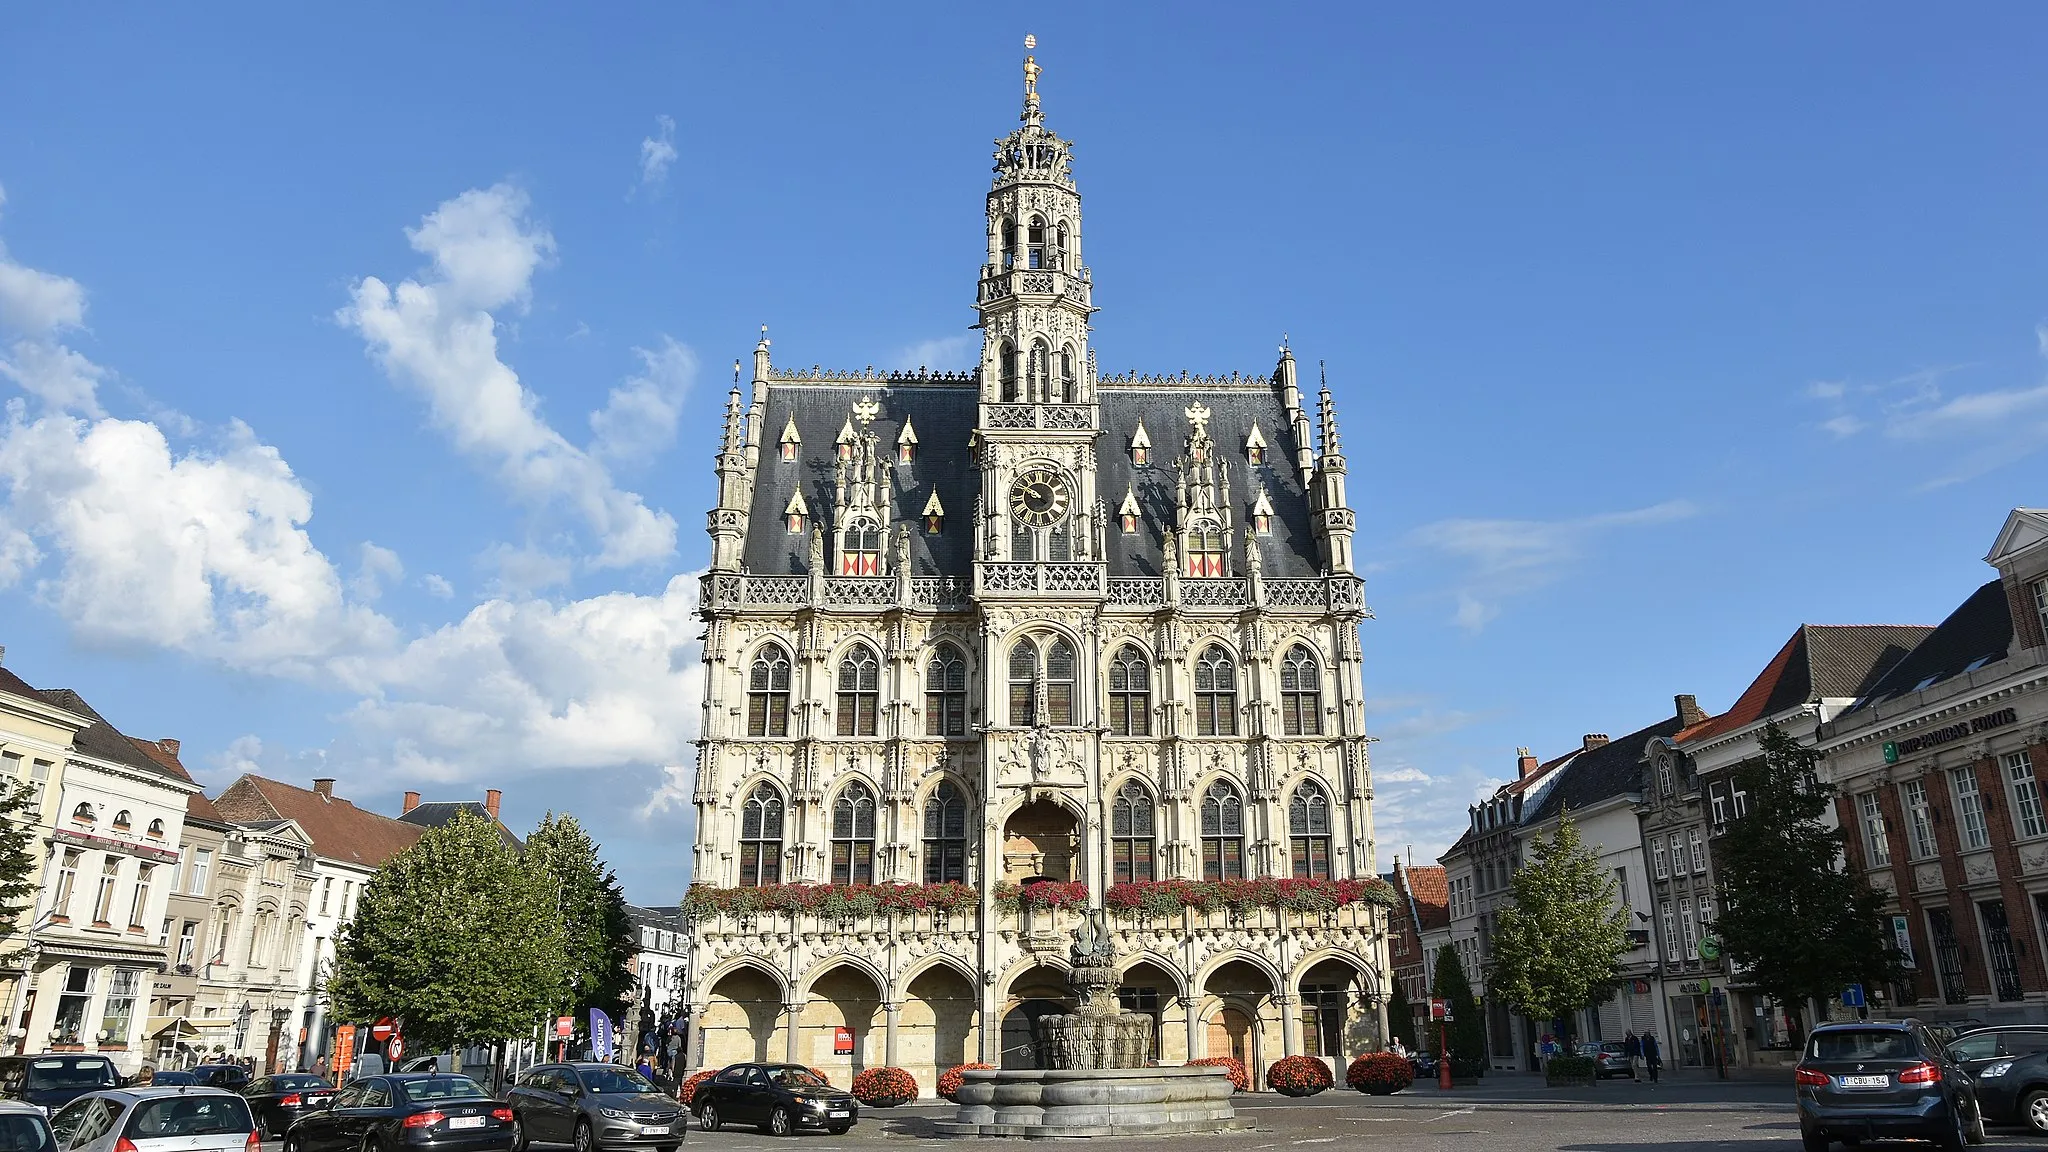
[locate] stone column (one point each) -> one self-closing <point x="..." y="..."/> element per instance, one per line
<point x="1194" y="1024"/>
<point x="890" y="1011"/>
<point x="794" y="1010"/>
<point x="1290" y="1023"/>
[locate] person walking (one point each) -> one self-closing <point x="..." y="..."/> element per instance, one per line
<point x="1651" y="1056"/>
<point x="1632" y="1047"/>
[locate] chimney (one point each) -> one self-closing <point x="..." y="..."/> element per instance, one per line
<point x="1592" y="740"/>
<point x="1689" y="712"/>
<point x="3" y="653"/>
<point x="491" y="798"/>
<point x="412" y="801"/>
<point x="1525" y="763"/>
<point x="169" y="745"/>
<point x="323" y="787"/>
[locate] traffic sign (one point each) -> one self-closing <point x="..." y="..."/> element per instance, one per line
<point x="384" y="1029"/>
<point x="564" y="1025"/>
<point x="1852" y="996"/>
<point x="396" y="1049"/>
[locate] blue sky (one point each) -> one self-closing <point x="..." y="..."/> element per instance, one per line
<point x="362" y="366"/>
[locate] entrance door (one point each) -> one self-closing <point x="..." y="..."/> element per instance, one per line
<point x="1230" y="1034"/>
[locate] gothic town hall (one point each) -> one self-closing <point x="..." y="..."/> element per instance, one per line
<point x="987" y="649"/>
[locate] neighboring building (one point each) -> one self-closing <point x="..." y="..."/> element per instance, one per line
<point x="35" y="744"/>
<point x="439" y="813"/>
<point x="1024" y="623"/>
<point x="1422" y="913"/>
<point x="659" y="957"/>
<point x="1819" y="671"/>
<point x="175" y="1036"/>
<point x="1938" y="775"/>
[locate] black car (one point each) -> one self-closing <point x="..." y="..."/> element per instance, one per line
<point x="232" y="1077"/>
<point x="781" y="1098"/>
<point x="593" y="1106"/>
<point x="406" y="1110"/>
<point x="54" y="1079"/>
<point x="1883" y="1079"/>
<point x="172" y="1079"/>
<point x="278" y="1101"/>
<point x="2010" y="1067"/>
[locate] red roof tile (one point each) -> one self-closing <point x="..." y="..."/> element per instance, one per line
<point x="1430" y="887"/>
<point x="340" y="830"/>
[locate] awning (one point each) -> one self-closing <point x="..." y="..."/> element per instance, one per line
<point x="173" y="1027"/>
<point x="141" y="957"/>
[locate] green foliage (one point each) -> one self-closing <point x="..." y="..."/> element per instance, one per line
<point x="1557" y="946"/>
<point x="1468" y="1028"/>
<point x="597" y="935"/>
<point x="1803" y="926"/>
<point x="1571" y="1070"/>
<point x="18" y="863"/>
<point x="454" y="938"/>
<point x="1401" y="1017"/>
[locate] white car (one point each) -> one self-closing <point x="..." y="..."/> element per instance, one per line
<point x="181" y="1118"/>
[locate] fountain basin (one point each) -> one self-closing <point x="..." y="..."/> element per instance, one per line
<point x="1092" y="1102"/>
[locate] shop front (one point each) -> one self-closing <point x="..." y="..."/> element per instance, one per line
<point x="1701" y="1025"/>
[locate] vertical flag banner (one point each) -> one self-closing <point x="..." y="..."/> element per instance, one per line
<point x="600" y="1035"/>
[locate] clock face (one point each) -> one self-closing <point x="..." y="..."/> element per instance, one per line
<point x="1040" y="497"/>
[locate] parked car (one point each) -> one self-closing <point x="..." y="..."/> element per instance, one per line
<point x="1424" y="1064"/>
<point x="278" y="1101"/>
<point x="170" y="1079"/>
<point x="782" y="1098"/>
<point x="1883" y="1079"/>
<point x="2009" y="1066"/>
<point x="54" y="1079"/>
<point x="232" y="1077"/>
<point x="152" y="1119"/>
<point x="402" y="1110"/>
<point x="593" y="1106"/>
<point x="24" y="1128"/>
<point x="1609" y="1058"/>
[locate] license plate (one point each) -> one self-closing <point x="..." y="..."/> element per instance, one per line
<point x="467" y="1121"/>
<point x="1866" y="1081"/>
<point x="835" y="1115"/>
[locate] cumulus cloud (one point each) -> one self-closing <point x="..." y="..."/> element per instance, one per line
<point x="437" y="586"/>
<point x="36" y="308"/>
<point x="657" y="152"/>
<point x="1503" y="558"/>
<point x="438" y="334"/>
<point x="639" y="418"/>
<point x="375" y="567"/>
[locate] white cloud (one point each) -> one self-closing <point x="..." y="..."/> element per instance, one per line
<point x="639" y="418"/>
<point x="519" y="572"/>
<point x="1503" y="558"/>
<point x="1843" y="426"/>
<point x="1962" y="433"/>
<point x="438" y="334"/>
<point x="437" y="586"/>
<point x="657" y="152"/>
<point x="376" y="567"/>
<point x="943" y="354"/>
<point x="35" y="308"/>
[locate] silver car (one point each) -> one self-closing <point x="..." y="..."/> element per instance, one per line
<point x="24" y="1128"/>
<point x="169" y="1119"/>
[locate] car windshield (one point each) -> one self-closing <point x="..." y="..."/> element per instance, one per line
<point x="295" y="1083"/>
<point x="796" y="1078"/>
<point x="610" y="1081"/>
<point x="1876" y="1044"/>
<point x="443" y="1088"/>
<point x="170" y="1116"/>
<point x="70" y="1074"/>
<point x="25" y="1134"/>
<point x="173" y="1078"/>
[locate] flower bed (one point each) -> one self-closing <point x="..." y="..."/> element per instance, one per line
<point x="1043" y="894"/>
<point x="1298" y="1076"/>
<point x="884" y="1087"/>
<point x="830" y="899"/>
<point x="951" y="1079"/>
<point x="1380" y="1073"/>
<point x="1168" y="897"/>
<point x="1240" y="1081"/>
<point x="1563" y="1071"/>
<point x="687" y="1090"/>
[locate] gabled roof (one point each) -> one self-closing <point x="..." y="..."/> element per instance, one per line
<point x="1601" y="773"/>
<point x="1818" y="662"/>
<point x="1429" y="890"/>
<point x="197" y="806"/>
<point x="103" y="741"/>
<point x="441" y="813"/>
<point x="2025" y="529"/>
<point x="340" y="830"/>
<point x="15" y="685"/>
<point x="1977" y="633"/>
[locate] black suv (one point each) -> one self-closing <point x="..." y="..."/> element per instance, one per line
<point x="2010" y="1067"/>
<point x="1883" y="1079"/>
<point x="54" y="1079"/>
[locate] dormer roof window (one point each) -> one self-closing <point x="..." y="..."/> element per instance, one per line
<point x="906" y="442"/>
<point x="1141" y="446"/>
<point x="790" y="439"/>
<point x="796" y="512"/>
<point x="1255" y="446"/>
<point x="934" y="513"/>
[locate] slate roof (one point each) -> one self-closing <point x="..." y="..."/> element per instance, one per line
<point x="1597" y="774"/>
<point x="11" y="683"/>
<point x="102" y="741"/>
<point x="1818" y="662"/>
<point x="1977" y="633"/>
<point x="944" y="417"/>
<point x="339" y="830"/>
<point x="440" y="813"/>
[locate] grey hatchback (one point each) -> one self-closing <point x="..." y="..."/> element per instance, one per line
<point x="593" y="1106"/>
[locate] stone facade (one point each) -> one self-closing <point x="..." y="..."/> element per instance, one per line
<point x="1029" y="623"/>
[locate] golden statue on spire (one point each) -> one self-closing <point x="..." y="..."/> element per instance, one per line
<point x="1031" y="71"/>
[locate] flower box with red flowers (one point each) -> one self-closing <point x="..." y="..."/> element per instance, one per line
<point x="1240" y="1081"/>
<point x="1299" y="1076"/>
<point x="1380" y="1073"/>
<point x="884" y="1087"/>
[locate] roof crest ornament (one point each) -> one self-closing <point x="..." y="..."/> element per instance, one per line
<point x="866" y="410"/>
<point x="1031" y="71"/>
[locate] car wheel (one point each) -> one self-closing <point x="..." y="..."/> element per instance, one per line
<point x="707" y="1119"/>
<point x="291" y="1143"/>
<point x="1954" y="1134"/>
<point x="2033" y="1112"/>
<point x="518" y="1133"/>
<point x="586" y="1141"/>
<point x="780" y="1122"/>
<point x="1814" y="1141"/>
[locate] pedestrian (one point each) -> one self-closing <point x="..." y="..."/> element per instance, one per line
<point x="1632" y="1047"/>
<point x="1651" y="1055"/>
<point x="320" y="1067"/>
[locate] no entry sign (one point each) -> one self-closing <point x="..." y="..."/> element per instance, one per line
<point x="384" y="1029"/>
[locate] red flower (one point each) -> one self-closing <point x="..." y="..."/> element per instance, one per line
<point x="687" y="1091"/>
<point x="1298" y="1075"/>
<point x="1240" y="1081"/>
<point x="884" y="1087"/>
<point x="1380" y="1073"/>
<point x="951" y="1079"/>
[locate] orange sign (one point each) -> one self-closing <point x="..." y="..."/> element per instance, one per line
<point x="344" y="1048"/>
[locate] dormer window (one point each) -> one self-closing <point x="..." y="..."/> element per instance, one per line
<point x="1262" y="514"/>
<point x="845" y="440"/>
<point x="906" y="443"/>
<point x="1128" y="511"/>
<point x="933" y="514"/>
<point x="1141" y="447"/>
<point x="862" y="553"/>
<point x="1205" y="550"/>
<point x="796" y="513"/>
<point x="790" y="440"/>
<point x="1255" y="447"/>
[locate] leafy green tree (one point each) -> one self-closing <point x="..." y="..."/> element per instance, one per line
<point x="19" y="821"/>
<point x="1468" y="1028"/>
<point x="1801" y="924"/>
<point x="454" y="938"/>
<point x="596" y="931"/>
<point x="1557" y="946"/>
<point x="1401" y="1017"/>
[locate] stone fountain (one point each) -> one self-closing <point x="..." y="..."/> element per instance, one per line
<point x="1094" y="1080"/>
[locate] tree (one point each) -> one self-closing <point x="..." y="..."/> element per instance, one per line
<point x="596" y="931"/>
<point x="454" y="938"/>
<point x="1804" y="926"/>
<point x="19" y="820"/>
<point x="1401" y="1017"/>
<point x="1557" y="946"/>
<point x="1468" y="1029"/>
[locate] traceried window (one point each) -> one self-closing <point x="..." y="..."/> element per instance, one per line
<point x="761" y="837"/>
<point x="853" y="836"/>
<point x="860" y="695"/>
<point x="945" y="693"/>
<point x="1308" y="831"/>
<point x="1070" y="389"/>
<point x="1215" y="693"/>
<point x="1222" y="833"/>
<point x="1130" y="693"/>
<point x="1130" y="834"/>
<point x="1039" y="370"/>
<point x="1006" y="371"/>
<point x="1023" y="683"/>
<point x="1034" y="243"/>
<point x="768" y="693"/>
<point x="1205" y="550"/>
<point x="1301" y="693"/>
<point x="1058" y="672"/>
<point x="1009" y="242"/>
<point x="945" y="836"/>
<point x="862" y="553"/>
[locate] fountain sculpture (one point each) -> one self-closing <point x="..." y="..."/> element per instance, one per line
<point x="1094" y="1079"/>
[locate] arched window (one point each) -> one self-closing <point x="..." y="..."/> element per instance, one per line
<point x="861" y="554"/>
<point x="1301" y="693"/>
<point x="82" y="813"/>
<point x="1205" y="550"/>
<point x="761" y="837"/>
<point x="945" y="836"/>
<point x="945" y="693"/>
<point x="156" y="829"/>
<point x="1222" y="833"/>
<point x="860" y="695"/>
<point x="1034" y="242"/>
<point x="1308" y="831"/>
<point x="853" y="836"/>
<point x="122" y="820"/>
<point x="1130" y="693"/>
<point x="1023" y="542"/>
<point x="1039" y="369"/>
<point x="1215" y="694"/>
<point x="1023" y="683"/>
<point x="1059" y="684"/>
<point x="1059" y="542"/>
<point x="1070" y="388"/>
<point x="1059" y="247"/>
<point x="1130" y="834"/>
<point x="768" y="693"/>
<point x="1009" y="242"/>
<point x="1006" y="371"/>
<point x="1059" y="674"/>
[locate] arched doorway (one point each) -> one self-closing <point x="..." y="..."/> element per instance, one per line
<point x="842" y="997"/>
<point x="1238" y="991"/>
<point x="1148" y="988"/>
<point x="1034" y="993"/>
<point x="936" y="1027"/>
<point x="1039" y="842"/>
<point x="1333" y="1023"/>
<point x="742" y="1020"/>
